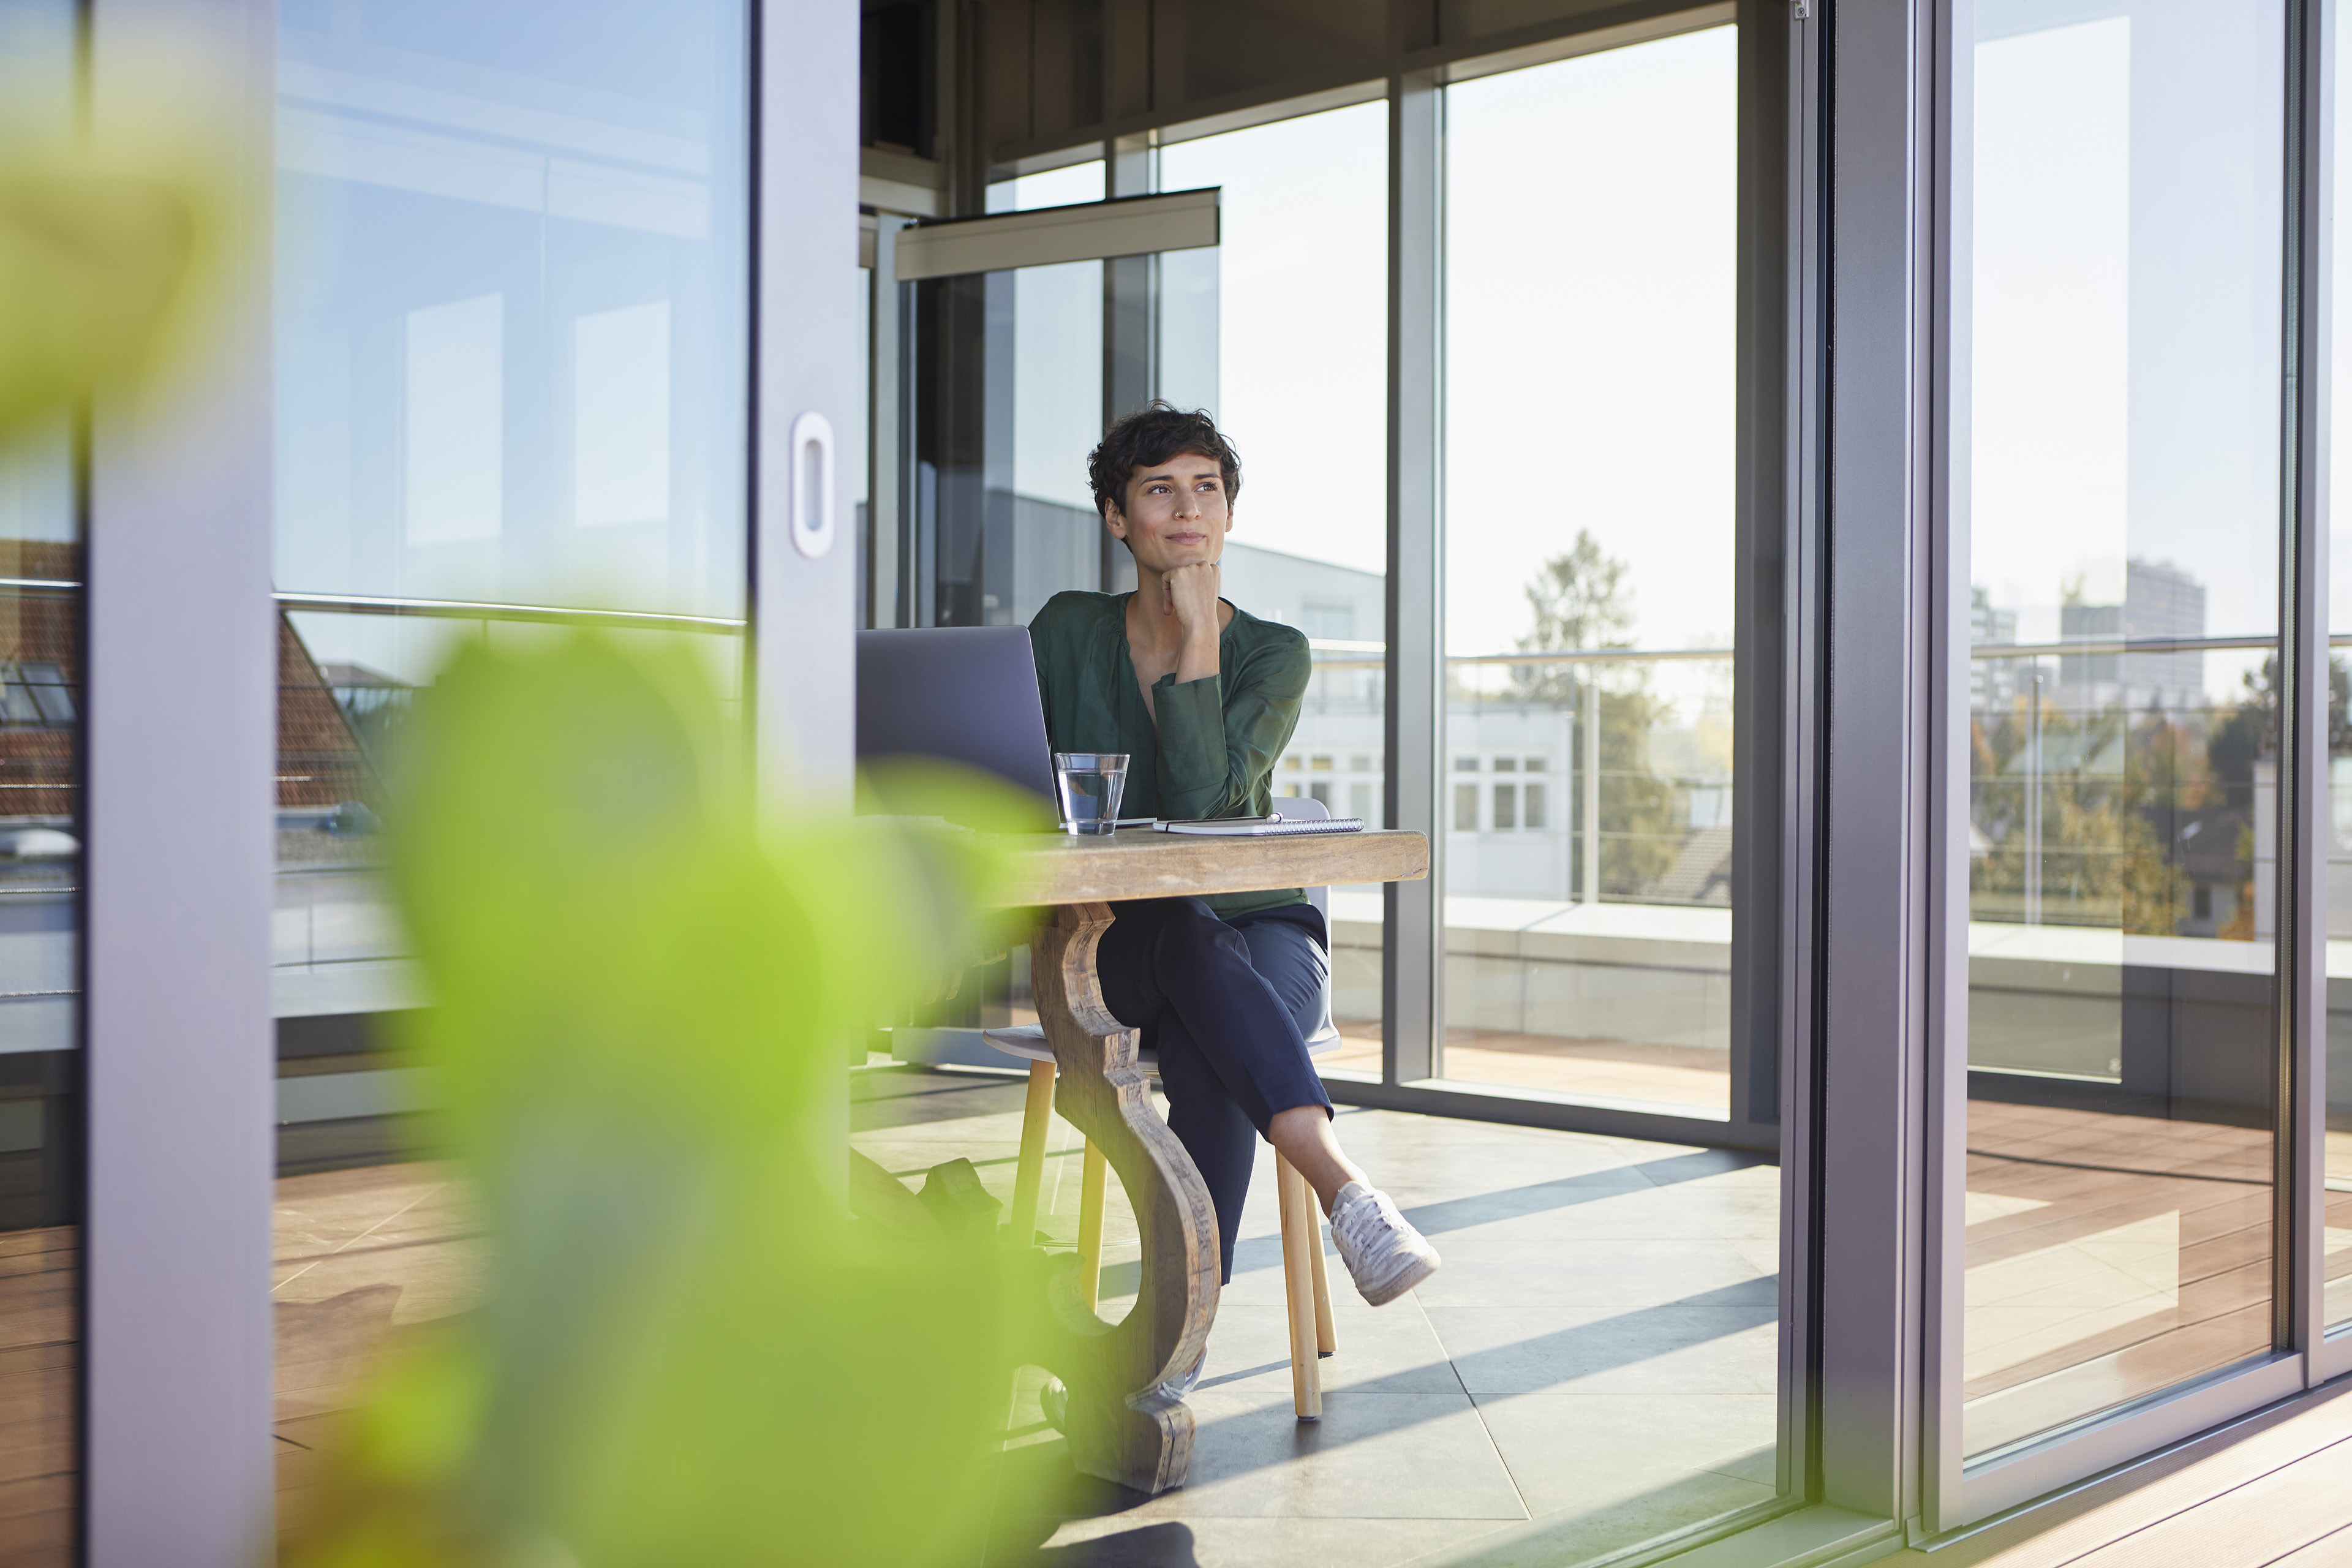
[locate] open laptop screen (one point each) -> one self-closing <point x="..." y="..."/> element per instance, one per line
<point x="957" y="694"/>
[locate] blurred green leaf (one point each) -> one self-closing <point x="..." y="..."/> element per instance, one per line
<point x="688" y="1351"/>
<point x="93" y="263"/>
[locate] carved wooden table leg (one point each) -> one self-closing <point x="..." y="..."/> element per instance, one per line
<point x="1121" y="1427"/>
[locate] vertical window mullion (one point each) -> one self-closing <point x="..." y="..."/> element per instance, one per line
<point x="2303" y="1152"/>
<point x="1413" y="973"/>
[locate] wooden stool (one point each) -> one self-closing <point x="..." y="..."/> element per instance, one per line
<point x="1307" y="1294"/>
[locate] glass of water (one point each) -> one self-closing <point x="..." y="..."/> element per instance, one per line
<point x="1090" y="785"/>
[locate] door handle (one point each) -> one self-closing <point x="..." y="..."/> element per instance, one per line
<point x="809" y="506"/>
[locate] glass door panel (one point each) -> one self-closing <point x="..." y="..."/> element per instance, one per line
<point x="1010" y="403"/>
<point x="2337" y="828"/>
<point x="41" y="836"/>
<point x="41" y="1120"/>
<point x="1589" y="508"/>
<point x="2123" y="1021"/>
<point x="1294" y="366"/>
<point x="511" y="370"/>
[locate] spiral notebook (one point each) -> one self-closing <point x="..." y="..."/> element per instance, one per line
<point x="1260" y="826"/>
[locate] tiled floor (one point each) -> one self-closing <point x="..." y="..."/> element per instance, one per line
<point x="1599" y="1349"/>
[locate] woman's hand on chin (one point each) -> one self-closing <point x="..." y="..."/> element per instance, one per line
<point x="1190" y="593"/>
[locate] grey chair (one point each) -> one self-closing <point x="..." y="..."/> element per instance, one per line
<point x="1306" y="1286"/>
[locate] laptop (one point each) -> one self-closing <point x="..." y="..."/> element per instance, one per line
<point x="957" y="694"/>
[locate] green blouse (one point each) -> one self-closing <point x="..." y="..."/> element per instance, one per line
<point x="1215" y="748"/>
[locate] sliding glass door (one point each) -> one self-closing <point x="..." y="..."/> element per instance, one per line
<point x="2117" y="1171"/>
<point x="511" y="345"/>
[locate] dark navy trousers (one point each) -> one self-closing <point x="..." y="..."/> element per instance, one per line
<point x="1227" y="1005"/>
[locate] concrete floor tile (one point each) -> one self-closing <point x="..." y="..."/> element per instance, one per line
<point x="1575" y="1535"/>
<point x="1499" y="1271"/>
<point x="1372" y="1456"/>
<point x="1559" y="1211"/>
<point x="1391" y="1349"/>
<point x="1660" y="1460"/>
<point x="1597" y="1350"/>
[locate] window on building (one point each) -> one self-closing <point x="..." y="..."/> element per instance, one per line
<point x="1466" y="808"/>
<point x="45" y="682"/>
<point x="16" y="704"/>
<point x="1327" y="620"/>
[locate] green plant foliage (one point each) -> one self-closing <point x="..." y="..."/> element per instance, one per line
<point x="112" y="265"/>
<point x="689" y="1352"/>
<point x="91" y="263"/>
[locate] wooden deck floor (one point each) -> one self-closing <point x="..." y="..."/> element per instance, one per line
<point x="40" y="1358"/>
<point x="2272" y="1492"/>
<point x="2108" y="1257"/>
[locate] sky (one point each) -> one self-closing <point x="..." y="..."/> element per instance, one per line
<point x="1302" y="340"/>
<point x="2125" y="340"/>
<point x="1592" y="209"/>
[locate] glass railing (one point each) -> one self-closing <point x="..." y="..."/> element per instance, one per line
<point x="1587" y="820"/>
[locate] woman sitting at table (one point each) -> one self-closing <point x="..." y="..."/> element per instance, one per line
<point x="1202" y="697"/>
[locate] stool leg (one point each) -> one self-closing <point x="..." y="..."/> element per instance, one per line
<point x="1325" y="1340"/>
<point x="1090" y="1223"/>
<point x="1298" y="1291"/>
<point x="1030" y="1172"/>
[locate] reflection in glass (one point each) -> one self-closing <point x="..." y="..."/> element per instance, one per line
<point x="1588" y="508"/>
<point x="1296" y="370"/>
<point x="40" y="1026"/>
<point x="510" y="303"/>
<point x="510" y="370"/>
<point x="2123" y="888"/>
<point x="40" y="902"/>
<point x="1056" y="401"/>
<point x="2336" y="831"/>
<point x="1009" y="403"/>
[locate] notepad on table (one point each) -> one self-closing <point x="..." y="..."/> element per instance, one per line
<point x="1260" y="826"/>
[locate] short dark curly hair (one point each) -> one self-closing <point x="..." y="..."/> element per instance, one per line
<point x="1153" y="434"/>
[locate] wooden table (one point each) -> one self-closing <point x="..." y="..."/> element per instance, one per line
<point x="1122" y="1426"/>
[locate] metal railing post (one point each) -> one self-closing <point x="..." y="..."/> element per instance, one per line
<point x="1589" y="889"/>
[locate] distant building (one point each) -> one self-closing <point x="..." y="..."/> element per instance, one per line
<point x="1992" y="682"/>
<point x="2160" y="601"/>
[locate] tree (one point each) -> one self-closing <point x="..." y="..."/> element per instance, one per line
<point x="1580" y="599"/>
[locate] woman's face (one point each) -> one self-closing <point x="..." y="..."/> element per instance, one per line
<point x="1176" y="514"/>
